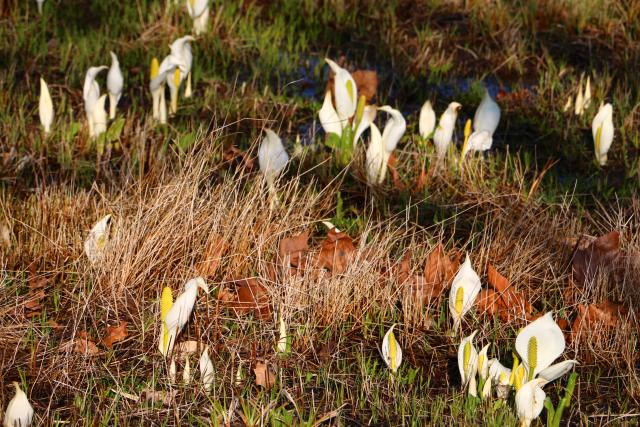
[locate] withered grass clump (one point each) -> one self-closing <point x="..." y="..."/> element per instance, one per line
<point x="160" y="234"/>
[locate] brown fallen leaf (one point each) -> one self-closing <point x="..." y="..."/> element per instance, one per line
<point x="440" y="267"/>
<point x="514" y="302"/>
<point x="595" y="318"/>
<point x="216" y="248"/>
<point x="599" y="254"/>
<point x="264" y="375"/>
<point x="294" y="247"/>
<point x="402" y="270"/>
<point x="85" y="346"/>
<point x="489" y="302"/>
<point x="336" y="252"/>
<point x="366" y="83"/>
<point x="251" y="297"/>
<point x="115" y="334"/>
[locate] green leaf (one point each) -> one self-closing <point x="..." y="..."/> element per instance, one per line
<point x="115" y="130"/>
<point x="333" y="141"/>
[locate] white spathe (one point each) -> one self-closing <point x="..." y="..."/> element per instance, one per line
<point x="272" y="156"/>
<point x="500" y="377"/>
<point x="444" y="130"/>
<point x="19" y="412"/>
<point x="115" y="83"/>
<point x="45" y="107"/>
<point x="391" y="351"/>
<point x="554" y="372"/>
<point x="329" y="119"/>
<point x="394" y="128"/>
<point x="478" y="141"/>
<point x="40" y="3"/>
<point x="539" y="344"/>
<point x="368" y="116"/>
<point x="427" y="120"/>
<point x="345" y="91"/>
<point x="182" y="57"/>
<point x="487" y="115"/>
<point x="468" y="363"/>
<point x="603" y="132"/>
<point x="199" y="11"/>
<point x="91" y="94"/>
<point x="97" y="239"/>
<point x="483" y="362"/>
<point x="99" y="116"/>
<point x="376" y="158"/>
<point x="530" y="401"/>
<point x="181" y="311"/>
<point x="282" y="339"/>
<point x="464" y="291"/>
<point x="206" y="369"/>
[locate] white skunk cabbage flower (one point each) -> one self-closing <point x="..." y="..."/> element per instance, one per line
<point x="391" y="351"/>
<point x="156" y="85"/>
<point x="444" y="130"/>
<point x="282" y="339"/>
<point x="19" y="412"/>
<point x="173" y="371"/>
<point x="91" y="95"/>
<point x="530" y="401"/>
<point x="186" y="372"/>
<point x="376" y="158"/>
<point x="182" y="57"/>
<point x="272" y="156"/>
<point x="99" y="116"/>
<point x="393" y="130"/>
<point x="477" y="141"/>
<point x="483" y="362"/>
<point x="115" y="83"/>
<point x="206" y="369"/>
<point x="45" y="107"/>
<point x="468" y="363"/>
<point x="40" y="3"/>
<point x="501" y="377"/>
<point x="345" y="91"/>
<point x="329" y="119"/>
<point x="97" y="240"/>
<point x="348" y="107"/>
<point x="487" y="115"/>
<point x="199" y="12"/>
<point x="603" y="131"/>
<point x="381" y="146"/>
<point x="170" y="65"/>
<point x="179" y="313"/>
<point x="583" y="99"/>
<point x="427" y="121"/>
<point x="464" y="291"/>
<point x="486" y="389"/>
<point x="539" y="344"/>
<point x="557" y="370"/>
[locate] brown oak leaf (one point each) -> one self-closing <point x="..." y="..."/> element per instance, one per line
<point x="336" y="252"/>
<point x="294" y="247"/>
<point x="115" y="334"/>
<point x="251" y="297"/>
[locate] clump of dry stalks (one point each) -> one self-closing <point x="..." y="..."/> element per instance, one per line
<point x="161" y="231"/>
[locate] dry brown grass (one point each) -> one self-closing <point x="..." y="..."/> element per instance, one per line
<point x="160" y="231"/>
